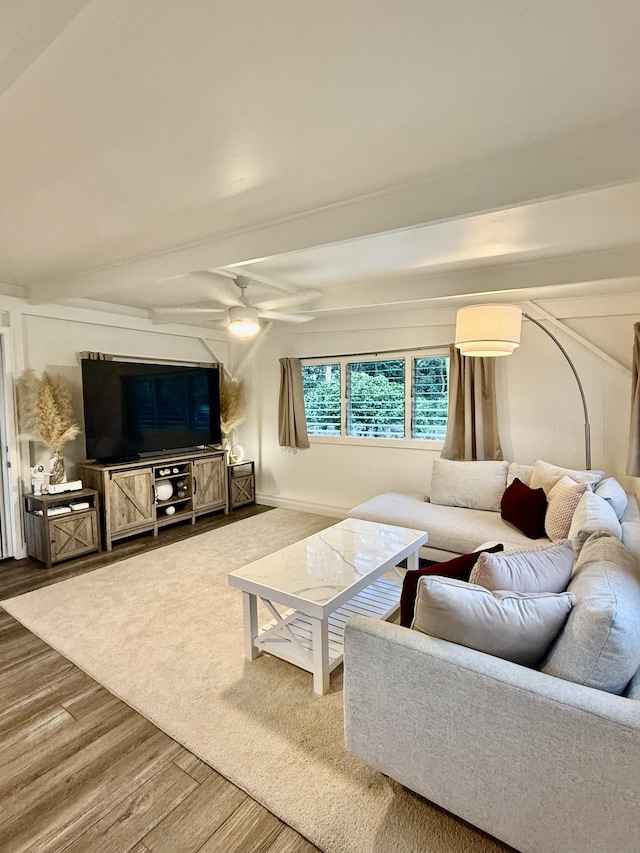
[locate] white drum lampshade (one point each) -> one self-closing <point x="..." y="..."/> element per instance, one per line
<point x="488" y="330"/>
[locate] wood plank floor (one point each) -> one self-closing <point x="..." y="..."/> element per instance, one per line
<point x="82" y="772"/>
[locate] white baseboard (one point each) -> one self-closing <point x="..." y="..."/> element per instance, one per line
<point x="303" y="506"/>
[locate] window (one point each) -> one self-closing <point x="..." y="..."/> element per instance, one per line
<point x="430" y="398"/>
<point x="398" y="398"/>
<point x="321" y="385"/>
<point x="375" y="398"/>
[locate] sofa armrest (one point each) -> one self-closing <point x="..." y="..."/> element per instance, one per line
<point x="545" y="765"/>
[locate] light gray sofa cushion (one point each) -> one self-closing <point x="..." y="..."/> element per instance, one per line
<point x="592" y="513"/>
<point x="611" y="490"/>
<point x="522" y="472"/>
<point x="631" y="536"/>
<point x="455" y="529"/>
<point x="514" y="626"/>
<point x="546" y="568"/>
<point x="476" y="485"/>
<point x="600" y="644"/>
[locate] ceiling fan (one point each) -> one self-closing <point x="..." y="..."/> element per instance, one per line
<point x="241" y="314"/>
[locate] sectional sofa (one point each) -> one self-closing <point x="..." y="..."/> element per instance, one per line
<point x="545" y="758"/>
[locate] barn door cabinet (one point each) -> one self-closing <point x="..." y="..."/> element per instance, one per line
<point x="60" y="527"/>
<point x="143" y="496"/>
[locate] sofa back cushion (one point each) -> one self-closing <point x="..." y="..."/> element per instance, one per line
<point x="477" y="485"/>
<point x="545" y="475"/>
<point x="547" y="568"/>
<point x="515" y="626"/>
<point x="611" y="490"/>
<point x="600" y="644"/>
<point x="522" y="472"/>
<point x="592" y="513"/>
<point x="631" y="537"/>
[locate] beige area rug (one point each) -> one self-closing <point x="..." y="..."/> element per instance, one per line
<point x="163" y="631"/>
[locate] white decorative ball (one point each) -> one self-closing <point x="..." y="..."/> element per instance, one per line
<point x="164" y="489"/>
<point x="170" y="510"/>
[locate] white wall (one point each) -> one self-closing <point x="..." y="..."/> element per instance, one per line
<point x="539" y="404"/>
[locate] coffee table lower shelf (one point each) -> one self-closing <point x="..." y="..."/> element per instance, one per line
<point x="289" y="635"/>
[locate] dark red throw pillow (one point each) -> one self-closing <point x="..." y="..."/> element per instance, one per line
<point x="459" y="568"/>
<point x="525" y="508"/>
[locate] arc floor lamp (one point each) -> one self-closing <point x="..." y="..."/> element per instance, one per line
<point x="494" y="330"/>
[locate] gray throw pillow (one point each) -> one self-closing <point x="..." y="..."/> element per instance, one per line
<point x="547" y="568"/>
<point x="510" y="625"/>
<point x="600" y="644"/>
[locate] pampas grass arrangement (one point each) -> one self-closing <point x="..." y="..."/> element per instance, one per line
<point x="44" y="409"/>
<point x="232" y="404"/>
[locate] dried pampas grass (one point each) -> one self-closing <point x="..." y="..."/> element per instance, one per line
<point x="232" y="404"/>
<point x="44" y="409"/>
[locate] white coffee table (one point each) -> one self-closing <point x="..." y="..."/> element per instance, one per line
<point x="322" y="581"/>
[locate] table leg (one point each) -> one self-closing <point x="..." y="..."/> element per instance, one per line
<point x="412" y="561"/>
<point x="320" y="640"/>
<point x="250" y="611"/>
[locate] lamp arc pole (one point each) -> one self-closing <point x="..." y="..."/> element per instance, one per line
<point x="587" y="425"/>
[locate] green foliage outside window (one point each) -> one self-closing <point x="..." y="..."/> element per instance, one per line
<point x="375" y="397"/>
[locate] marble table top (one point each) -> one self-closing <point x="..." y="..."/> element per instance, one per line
<point x="321" y="567"/>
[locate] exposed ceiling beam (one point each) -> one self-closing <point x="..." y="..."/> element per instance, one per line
<point x="547" y="315"/>
<point x="485" y="281"/>
<point x="585" y="160"/>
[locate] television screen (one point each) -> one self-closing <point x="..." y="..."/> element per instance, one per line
<point x="132" y="409"/>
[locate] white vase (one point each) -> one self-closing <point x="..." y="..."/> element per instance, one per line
<point x="58" y="473"/>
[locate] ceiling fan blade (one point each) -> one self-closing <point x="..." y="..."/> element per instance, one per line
<point x="286" y="318"/>
<point x="189" y="309"/>
<point x="289" y="301"/>
<point x="186" y="313"/>
<point x="220" y="287"/>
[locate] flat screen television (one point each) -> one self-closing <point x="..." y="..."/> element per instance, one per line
<point x="135" y="409"/>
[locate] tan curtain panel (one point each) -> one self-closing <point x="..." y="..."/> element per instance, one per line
<point x="472" y="426"/>
<point x="633" y="460"/>
<point x="292" y="420"/>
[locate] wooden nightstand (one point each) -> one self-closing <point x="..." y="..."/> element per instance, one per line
<point x="242" y="484"/>
<point x="54" y="531"/>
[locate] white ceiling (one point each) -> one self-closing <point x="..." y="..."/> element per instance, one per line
<point x="343" y="146"/>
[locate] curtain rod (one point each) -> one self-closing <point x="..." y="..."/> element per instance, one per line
<point x="377" y="352"/>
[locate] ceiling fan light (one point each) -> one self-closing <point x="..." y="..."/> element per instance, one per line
<point x="243" y="321"/>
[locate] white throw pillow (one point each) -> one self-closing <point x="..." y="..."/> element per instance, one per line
<point x="613" y="493"/>
<point x="477" y="485"/>
<point x="564" y="497"/>
<point x="545" y="475"/>
<point x="592" y="513"/>
<point x="544" y="569"/>
<point x="514" y="626"/>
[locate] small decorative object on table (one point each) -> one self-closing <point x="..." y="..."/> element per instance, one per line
<point x="45" y="414"/>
